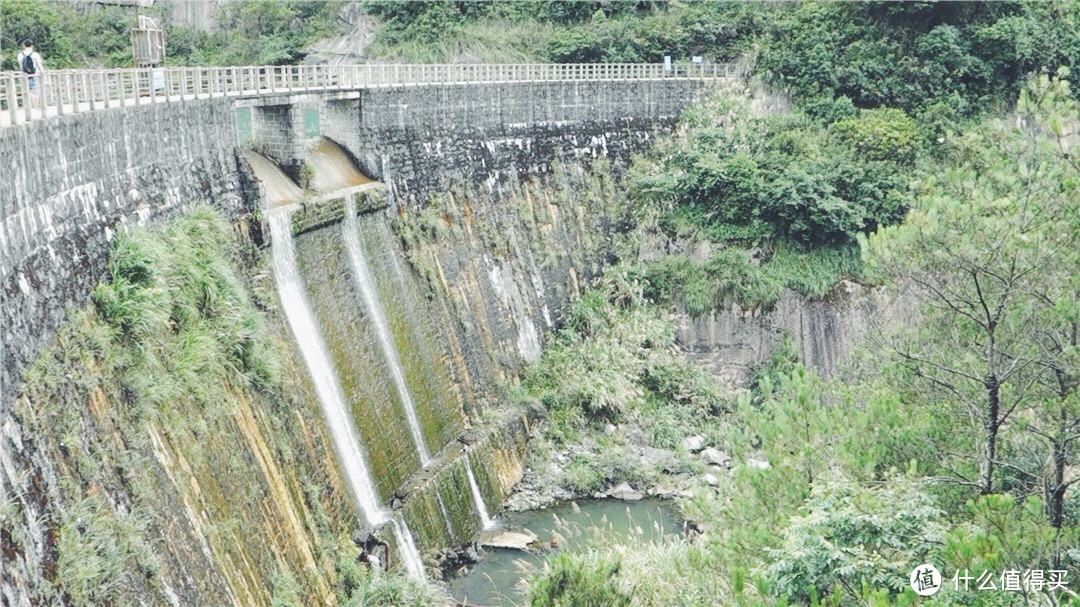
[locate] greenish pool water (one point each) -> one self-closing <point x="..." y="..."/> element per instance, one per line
<point x="496" y="580"/>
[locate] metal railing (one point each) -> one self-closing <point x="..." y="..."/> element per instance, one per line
<point x="55" y="93"/>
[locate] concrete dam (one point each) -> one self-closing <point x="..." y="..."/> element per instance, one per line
<point x="376" y="258"/>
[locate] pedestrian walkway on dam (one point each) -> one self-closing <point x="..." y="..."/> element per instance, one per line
<point x="72" y="91"/>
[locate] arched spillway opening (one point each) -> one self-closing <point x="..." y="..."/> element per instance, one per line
<point x="277" y="188"/>
<point x="332" y="167"/>
<point x="370" y="346"/>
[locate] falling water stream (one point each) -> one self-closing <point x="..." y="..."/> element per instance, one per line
<point x="306" y="331"/>
<point x="481" y="508"/>
<point x="351" y="233"/>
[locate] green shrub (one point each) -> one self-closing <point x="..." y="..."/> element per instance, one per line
<point x="884" y="134"/>
<point x="584" y="476"/>
<point x="780" y="177"/>
<point x="729" y="276"/>
<point x="970" y="56"/>
<point x="852" y="538"/>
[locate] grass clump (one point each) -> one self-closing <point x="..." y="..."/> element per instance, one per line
<point x="609" y="360"/>
<point x="589" y="579"/>
<point x="180" y="320"/>
<point x="732" y="275"/>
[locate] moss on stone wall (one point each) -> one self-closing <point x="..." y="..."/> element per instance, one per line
<point x="169" y="443"/>
<point x="504" y="260"/>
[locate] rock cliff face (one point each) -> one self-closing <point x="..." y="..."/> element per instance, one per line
<point x="825" y="332"/>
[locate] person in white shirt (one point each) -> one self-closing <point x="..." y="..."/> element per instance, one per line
<point x="29" y="63"/>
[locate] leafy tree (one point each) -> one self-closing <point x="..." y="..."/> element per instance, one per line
<point x="1055" y="418"/>
<point x="852" y="538"/>
<point x="987" y="251"/>
<point x="928" y="58"/>
<point x="784" y="176"/>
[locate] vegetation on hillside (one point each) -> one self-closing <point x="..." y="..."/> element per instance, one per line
<point x="563" y="31"/>
<point x="954" y="442"/>
<point x="246" y="32"/>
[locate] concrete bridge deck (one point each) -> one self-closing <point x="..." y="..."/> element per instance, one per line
<point x="62" y="92"/>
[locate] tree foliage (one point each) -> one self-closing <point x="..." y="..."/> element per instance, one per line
<point x="933" y="59"/>
<point x="783" y="176"/>
<point x="245" y="32"/>
<point x="850" y="537"/>
<point x="990" y="251"/>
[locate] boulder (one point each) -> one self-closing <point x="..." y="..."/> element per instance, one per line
<point x="716" y="457"/>
<point x="516" y="540"/>
<point x="625" y="492"/>
<point x="710" y="479"/>
<point x="755" y="462"/>
<point x="693" y="444"/>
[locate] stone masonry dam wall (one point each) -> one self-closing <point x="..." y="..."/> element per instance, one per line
<point x="71" y="183"/>
<point x="500" y="198"/>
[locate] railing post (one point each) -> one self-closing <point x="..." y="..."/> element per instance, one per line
<point x="121" y="90"/>
<point x="27" y="100"/>
<point x="153" y="85"/>
<point x="12" y="97"/>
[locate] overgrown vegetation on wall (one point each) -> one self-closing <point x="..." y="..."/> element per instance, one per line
<point x="170" y="416"/>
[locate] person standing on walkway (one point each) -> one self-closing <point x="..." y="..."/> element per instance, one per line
<point x="33" y="67"/>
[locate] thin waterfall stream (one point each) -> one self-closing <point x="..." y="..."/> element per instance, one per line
<point x="328" y="389"/>
<point x="351" y="233"/>
<point x="481" y="508"/>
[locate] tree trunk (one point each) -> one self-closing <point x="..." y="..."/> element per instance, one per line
<point x="991" y="424"/>
<point x="1055" y="498"/>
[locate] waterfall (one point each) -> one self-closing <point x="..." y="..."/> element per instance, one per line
<point x="351" y="233"/>
<point x="407" y="547"/>
<point x="485" y="518"/>
<point x="328" y="389"/>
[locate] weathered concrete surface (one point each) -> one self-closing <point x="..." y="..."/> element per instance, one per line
<point x="73" y="182"/>
<point x="502" y="253"/>
<point x="419" y="139"/>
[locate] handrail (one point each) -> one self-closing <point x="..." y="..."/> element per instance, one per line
<point x="60" y="92"/>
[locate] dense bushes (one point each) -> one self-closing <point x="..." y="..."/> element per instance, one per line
<point x="566" y="31"/>
<point x="742" y="177"/>
<point x="66" y="37"/>
<point x="680" y="30"/>
<point x="733" y="275"/>
<point x="935" y="60"/>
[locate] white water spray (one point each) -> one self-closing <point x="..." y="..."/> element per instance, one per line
<point x="481" y="508"/>
<point x="407" y="547"/>
<point x="328" y="388"/>
<point x="351" y="233"/>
